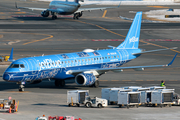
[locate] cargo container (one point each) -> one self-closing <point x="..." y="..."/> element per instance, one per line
<point x="129" y="99"/>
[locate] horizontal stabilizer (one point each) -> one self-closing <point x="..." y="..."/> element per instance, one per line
<point x="153" y="51"/>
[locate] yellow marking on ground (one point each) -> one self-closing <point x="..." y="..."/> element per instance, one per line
<point x="1" y="12"/>
<point x="126" y="80"/>
<point x="50" y="36"/>
<point x="1" y="36"/>
<point x="149" y="80"/>
<point x="104" y="13"/>
<point x="103" y="80"/>
<point x="139" y="80"/>
<point x="173" y="80"/>
<point x="17" y="12"/>
<point x="114" y="80"/>
<point x="158" y="6"/>
<point x="18" y="21"/>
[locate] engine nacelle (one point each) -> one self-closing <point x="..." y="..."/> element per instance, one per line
<point x="45" y="13"/>
<point x="86" y="79"/>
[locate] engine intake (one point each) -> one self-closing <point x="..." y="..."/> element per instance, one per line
<point x="86" y="79"/>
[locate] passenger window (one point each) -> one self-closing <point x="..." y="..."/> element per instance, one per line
<point x="111" y="56"/>
<point x="118" y="56"/>
<point x="114" y="56"/>
<point x="22" y="65"/>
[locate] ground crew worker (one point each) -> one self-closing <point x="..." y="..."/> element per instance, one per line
<point x="162" y="83"/>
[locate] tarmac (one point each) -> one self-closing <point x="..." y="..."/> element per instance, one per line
<point x="31" y="35"/>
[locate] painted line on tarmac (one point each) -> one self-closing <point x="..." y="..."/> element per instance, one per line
<point x="50" y="36"/>
<point x="158" y="6"/>
<point x="134" y="80"/>
<point x="104" y="14"/>
<point x="170" y="40"/>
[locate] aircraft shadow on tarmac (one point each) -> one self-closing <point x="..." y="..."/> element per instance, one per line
<point x="40" y="18"/>
<point x="43" y="85"/>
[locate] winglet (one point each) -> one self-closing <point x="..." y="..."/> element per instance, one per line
<point x="119" y="4"/>
<point x="172" y="60"/>
<point x="11" y="55"/>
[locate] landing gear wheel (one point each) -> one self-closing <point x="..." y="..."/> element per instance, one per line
<point x="120" y="106"/>
<point x="57" y="83"/>
<point x="21" y="88"/>
<point x="88" y="105"/>
<point x="137" y="106"/>
<point x="54" y="17"/>
<point x="62" y="83"/>
<point x="127" y="106"/>
<point x="96" y="84"/>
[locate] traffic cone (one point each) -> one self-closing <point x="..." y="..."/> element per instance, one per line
<point x="10" y="110"/>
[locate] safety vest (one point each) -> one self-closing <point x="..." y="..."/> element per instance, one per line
<point x="162" y="84"/>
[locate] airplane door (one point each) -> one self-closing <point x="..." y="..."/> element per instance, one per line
<point x="33" y="66"/>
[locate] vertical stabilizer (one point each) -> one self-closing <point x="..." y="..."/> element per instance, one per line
<point x="11" y="55"/>
<point x="132" y="39"/>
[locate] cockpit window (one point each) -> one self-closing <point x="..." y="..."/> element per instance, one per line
<point x="22" y="65"/>
<point x="14" y="66"/>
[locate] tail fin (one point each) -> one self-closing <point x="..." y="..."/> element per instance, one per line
<point x="11" y="55"/>
<point x="132" y="38"/>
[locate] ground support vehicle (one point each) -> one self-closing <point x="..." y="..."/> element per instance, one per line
<point x="8" y="105"/>
<point x="162" y="98"/>
<point x="113" y="95"/>
<point x="77" y="97"/>
<point x="129" y="99"/>
<point x="176" y="99"/>
<point x="96" y="102"/>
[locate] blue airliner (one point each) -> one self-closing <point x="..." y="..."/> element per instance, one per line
<point x="85" y="66"/>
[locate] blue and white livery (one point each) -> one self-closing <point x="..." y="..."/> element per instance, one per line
<point x="85" y="66"/>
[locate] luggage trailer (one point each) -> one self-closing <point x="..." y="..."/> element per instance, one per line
<point x="162" y="98"/>
<point x="129" y="99"/>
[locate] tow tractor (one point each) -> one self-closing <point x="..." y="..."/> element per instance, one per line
<point x="57" y="118"/>
<point x="8" y="105"/>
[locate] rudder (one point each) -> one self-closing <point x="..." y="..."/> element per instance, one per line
<point x="132" y="39"/>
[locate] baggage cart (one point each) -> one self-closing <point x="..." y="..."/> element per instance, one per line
<point x="113" y="95"/>
<point x="105" y="93"/>
<point x="129" y="99"/>
<point x="77" y="97"/>
<point x="156" y="87"/>
<point x="162" y="98"/>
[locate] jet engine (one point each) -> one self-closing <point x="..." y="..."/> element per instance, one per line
<point x="45" y="13"/>
<point x="35" y="81"/>
<point x="86" y="79"/>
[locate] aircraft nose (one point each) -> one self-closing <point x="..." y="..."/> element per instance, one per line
<point x="6" y="76"/>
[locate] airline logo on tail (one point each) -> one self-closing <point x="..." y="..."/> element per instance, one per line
<point x="133" y="39"/>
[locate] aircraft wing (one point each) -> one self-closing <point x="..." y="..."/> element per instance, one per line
<point x="90" y="9"/>
<point x="118" y="69"/>
<point x="153" y="51"/>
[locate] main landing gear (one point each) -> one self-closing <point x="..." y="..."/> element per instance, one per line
<point x="96" y="84"/>
<point x="53" y="16"/>
<point x="77" y="15"/>
<point x="59" y="83"/>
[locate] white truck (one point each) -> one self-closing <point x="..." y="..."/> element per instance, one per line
<point x="77" y="97"/>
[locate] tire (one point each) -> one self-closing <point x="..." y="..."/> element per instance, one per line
<point x="78" y="105"/>
<point x="96" y="84"/>
<point x="99" y="105"/>
<point x="69" y="105"/>
<point x="120" y="106"/>
<point x="127" y="106"/>
<point x="137" y="106"/>
<point x="88" y="105"/>
<point x="62" y="83"/>
<point x="21" y="89"/>
<point x="56" y="83"/>
<point x="170" y="105"/>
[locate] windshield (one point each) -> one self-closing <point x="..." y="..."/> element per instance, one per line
<point x="17" y="66"/>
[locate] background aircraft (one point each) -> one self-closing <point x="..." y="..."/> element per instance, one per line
<point x="64" y="8"/>
<point x="85" y="66"/>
